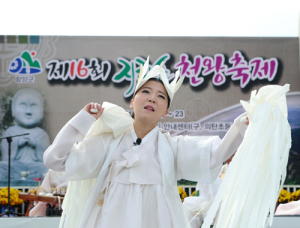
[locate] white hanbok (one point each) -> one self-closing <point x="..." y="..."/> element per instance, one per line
<point x="134" y="190"/>
<point x="132" y="186"/>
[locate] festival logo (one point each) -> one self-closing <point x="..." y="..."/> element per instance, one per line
<point x="196" y="70"/>
<point x="25" y="64"/>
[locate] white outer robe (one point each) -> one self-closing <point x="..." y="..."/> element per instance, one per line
<point x="87" y="162"/>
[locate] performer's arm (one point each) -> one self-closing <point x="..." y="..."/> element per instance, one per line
<point x="225" y="148"/>
<point x="200" y="158"/>
<point x="81" y="158"/>
<point x="73" y="132"/>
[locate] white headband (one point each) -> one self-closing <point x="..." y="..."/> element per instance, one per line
<point x="156" y="71"/>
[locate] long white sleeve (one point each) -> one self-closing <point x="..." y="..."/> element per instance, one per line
<point x="74" y="131"/>
<point x="225" y="148"/>
<point x="200" y="158"/>
<point x="80" y="157"/>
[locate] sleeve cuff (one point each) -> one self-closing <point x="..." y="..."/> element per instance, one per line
<point x="241" y="127"/>
<point x="82" y="121"/>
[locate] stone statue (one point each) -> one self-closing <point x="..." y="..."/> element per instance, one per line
<point x="26" y="151"/>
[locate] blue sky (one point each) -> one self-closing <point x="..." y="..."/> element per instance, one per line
<point x="263" y="18"/>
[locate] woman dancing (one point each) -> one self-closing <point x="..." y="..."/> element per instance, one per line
<point x="128" y="178"/>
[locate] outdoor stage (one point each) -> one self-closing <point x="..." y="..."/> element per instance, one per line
<point x="53" y="222"/>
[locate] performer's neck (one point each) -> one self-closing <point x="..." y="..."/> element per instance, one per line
<point x="142" y="129"/>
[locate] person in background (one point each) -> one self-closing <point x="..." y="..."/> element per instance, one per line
<point x="52" y="183"/>
<point x="196" y="207"/>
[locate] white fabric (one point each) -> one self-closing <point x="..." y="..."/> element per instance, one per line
<point x="196" y="207"/>
<point x="223" y="170"/>
<point x="291" y="208"/>
<point x="114" y="119"/>
<point x="255" y="176"/>
<point x="134" y="206"/>
<point x="135" y="193"/>
<point x="53" y="182"/>
<point x="87" y="165"/>
<point x="141" y="161"/>
<point x="156" y="71"/>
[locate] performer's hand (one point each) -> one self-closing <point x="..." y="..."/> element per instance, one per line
<point x="93" y="105"/>
<point x="247" y="121"/>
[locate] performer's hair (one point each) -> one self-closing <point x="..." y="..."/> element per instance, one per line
<point x="156" y="80"/>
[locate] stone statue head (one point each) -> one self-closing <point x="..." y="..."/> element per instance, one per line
<point x="27" y="108"/>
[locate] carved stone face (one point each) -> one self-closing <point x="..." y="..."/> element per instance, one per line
<point x="28" y="108"/>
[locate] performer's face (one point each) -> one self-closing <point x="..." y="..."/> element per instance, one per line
<point x="150" y="103"/>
